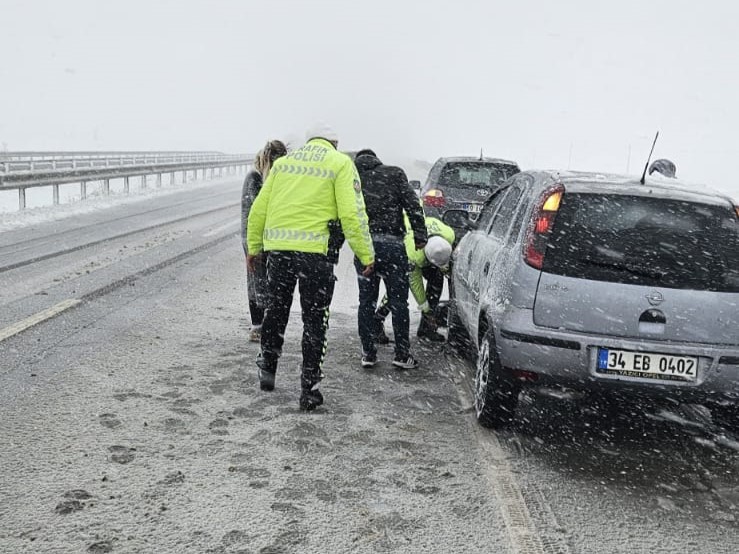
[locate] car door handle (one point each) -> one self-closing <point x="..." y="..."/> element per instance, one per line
<point x="486" y="268"/>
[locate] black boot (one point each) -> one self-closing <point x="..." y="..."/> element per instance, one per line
<point x="310" y="396"/>
<point x="310" y="399"/>
<point x="427" y="329"/>
<point x="267" y="371"/>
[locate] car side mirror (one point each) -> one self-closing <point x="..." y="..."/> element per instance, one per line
<point x="415" y="185"/>
<point x="458" y="219"/>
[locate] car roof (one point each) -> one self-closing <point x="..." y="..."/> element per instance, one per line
<point x="468" y="159"/>
<point x="582" y="181"/>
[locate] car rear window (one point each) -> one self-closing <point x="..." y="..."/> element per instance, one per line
<point x="646" y="241"/>
<point x="477" y="174"/>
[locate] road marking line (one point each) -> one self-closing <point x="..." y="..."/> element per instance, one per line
<point x="38" y="318"/>
<point x="521" y="530"/>
<point x="222" y="228"/>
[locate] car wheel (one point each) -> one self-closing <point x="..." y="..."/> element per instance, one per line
<point x="457" y="336"/>
<point x="496" y="395"/>
<point x="726" y="415"/>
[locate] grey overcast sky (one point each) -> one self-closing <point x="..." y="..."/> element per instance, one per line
<point x="577" y="83"/>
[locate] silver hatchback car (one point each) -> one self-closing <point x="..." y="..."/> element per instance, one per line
<point x="599" y="282"/>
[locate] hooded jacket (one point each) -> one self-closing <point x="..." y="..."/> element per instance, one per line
<point x="304" y="191"/>
<point x="387" y="195"/>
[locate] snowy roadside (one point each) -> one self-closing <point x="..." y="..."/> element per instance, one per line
<point x="12" y="218"/>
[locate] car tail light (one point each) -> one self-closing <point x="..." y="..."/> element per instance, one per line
<point x="525" y="375"/>
<point x="541" y="226"/>
<point x="736" y="209"/>
<point x="434" y="198"/>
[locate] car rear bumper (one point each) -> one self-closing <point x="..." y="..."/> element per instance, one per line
<point x="560" y="357"/>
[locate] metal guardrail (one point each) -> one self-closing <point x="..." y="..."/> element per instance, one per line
<point x="30" y="161"/>
<point x="84" y="167"/>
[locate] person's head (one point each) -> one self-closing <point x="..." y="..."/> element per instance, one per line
<point x="266" y="156"/>
<point x="438" y="251"/>
<point x="664" y="167"/>
<point x="365" y="152"/>
<point x="324" y="131"/>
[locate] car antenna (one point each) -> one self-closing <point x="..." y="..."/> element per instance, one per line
<point x="644" y="175"/>
<point x="480" y="154"/>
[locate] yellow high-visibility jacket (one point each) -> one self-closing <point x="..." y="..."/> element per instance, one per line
<point x="303" y="192"/>
<point x="418" y="260"/>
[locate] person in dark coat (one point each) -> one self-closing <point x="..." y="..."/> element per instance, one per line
<point x="388" y="198"/>
<point x="256" y="282"/>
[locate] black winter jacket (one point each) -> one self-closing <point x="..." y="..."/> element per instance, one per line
<point x="387" y="195"/>
<point x="252" y="186"/>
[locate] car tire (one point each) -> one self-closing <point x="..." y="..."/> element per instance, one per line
<point x="727" y="416"/>
<point x="457" y="336"/>
<point x="496" y="394"/>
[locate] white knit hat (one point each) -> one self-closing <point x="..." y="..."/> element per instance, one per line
<point x="438" y="251"/>
<point x="321" y="130"/>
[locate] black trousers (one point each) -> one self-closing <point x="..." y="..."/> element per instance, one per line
<point x="314" y="275"/>
<point x="434" y="287"/>
<point x="391" y="265"/>
<point x="434" y="284"/>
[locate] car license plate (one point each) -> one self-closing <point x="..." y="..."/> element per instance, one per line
<point x="472" y="207"/>
<point x="648" y="365"/>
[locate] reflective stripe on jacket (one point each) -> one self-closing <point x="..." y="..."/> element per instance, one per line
<point x="303" y="192"/>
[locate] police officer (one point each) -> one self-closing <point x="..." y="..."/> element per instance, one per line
<point x="389" y="199"/>
<point x="305" y="190"/>
<point x="430" y="263"/>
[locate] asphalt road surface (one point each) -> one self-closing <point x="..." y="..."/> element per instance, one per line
<point x="132" y="421"/>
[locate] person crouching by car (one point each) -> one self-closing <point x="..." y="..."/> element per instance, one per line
<point x="430" y="263"/>
<point x="305" y="191"/>
<point x="389" y="199"/>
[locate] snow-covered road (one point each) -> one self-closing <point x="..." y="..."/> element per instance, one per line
<point x="133" y="422"/>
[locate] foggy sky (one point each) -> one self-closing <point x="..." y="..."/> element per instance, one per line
<point x="548" y="84"/>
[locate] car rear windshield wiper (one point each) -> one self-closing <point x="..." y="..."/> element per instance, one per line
<point x="628" y="267"/>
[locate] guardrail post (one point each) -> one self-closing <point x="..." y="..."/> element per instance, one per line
<point x="55" y="194"/>
<point x="83" y="190"/>
<point x="106" y="187"/>
<point x="184" y="176"/>
<point x="159" y="180"/>
<point x="126" y="184"/>
<point x="143" y="182"/>
<point x="171" y="179"/>
<point x="21" y="198"/>
<point x="5" y="167"/>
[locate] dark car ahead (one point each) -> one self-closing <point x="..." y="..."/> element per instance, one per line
<point x="463" y="183"/>
<point x="600" y="283"/>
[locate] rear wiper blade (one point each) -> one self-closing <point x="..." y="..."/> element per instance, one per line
<point x="628" y="267"/>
